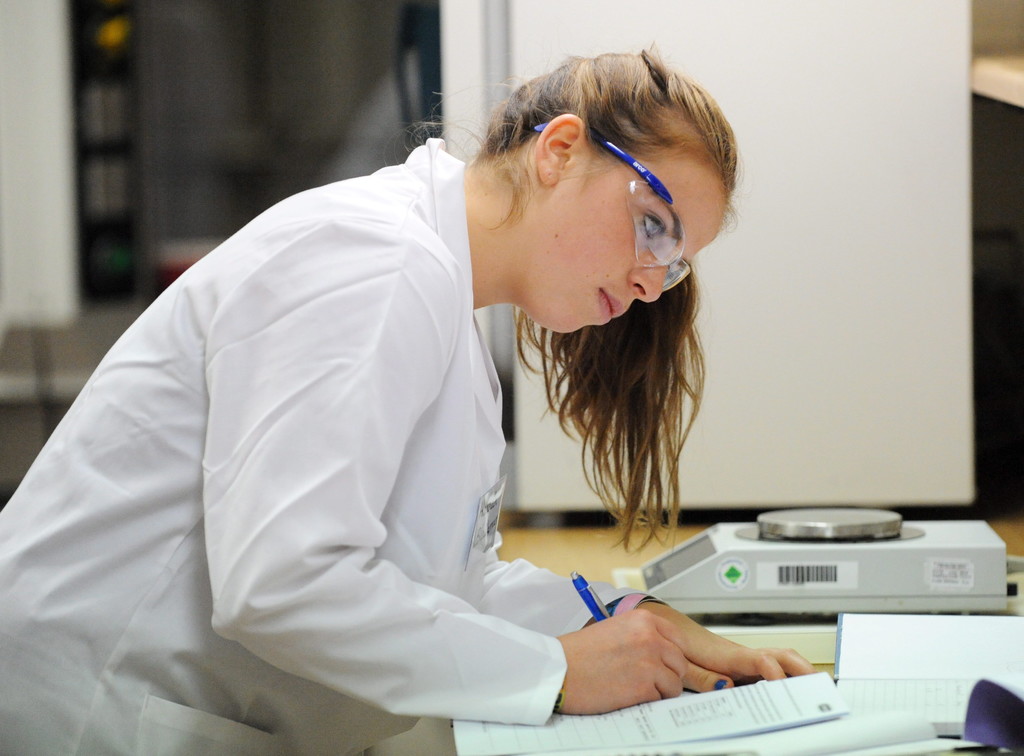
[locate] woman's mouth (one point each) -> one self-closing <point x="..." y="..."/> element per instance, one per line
<point x="611" y="306"/>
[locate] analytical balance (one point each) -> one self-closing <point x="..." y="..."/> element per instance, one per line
<point x="826" y="561"/>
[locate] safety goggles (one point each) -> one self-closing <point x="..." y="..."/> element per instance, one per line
<point x="659" y="233"/>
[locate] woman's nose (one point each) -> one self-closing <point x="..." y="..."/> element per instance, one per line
<point x="647" y="282"/>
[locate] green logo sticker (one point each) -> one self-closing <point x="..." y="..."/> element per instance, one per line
<point x="733" y="574"/>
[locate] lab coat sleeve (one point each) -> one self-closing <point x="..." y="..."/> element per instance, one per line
<point x="318" y="367"/>
<point x="537" y="598"/>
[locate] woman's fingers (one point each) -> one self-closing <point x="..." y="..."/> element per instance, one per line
<point x="647" y="655"/>
<point x="706" y="649"/>
<point x="702" y="680"/>
<point x="777" y="663"/>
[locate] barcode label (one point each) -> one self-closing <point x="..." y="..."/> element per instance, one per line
<point x="808" y="573"/>
<point x="807" y="576"/>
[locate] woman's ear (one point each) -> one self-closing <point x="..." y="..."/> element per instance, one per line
<point x="559" y="148"/>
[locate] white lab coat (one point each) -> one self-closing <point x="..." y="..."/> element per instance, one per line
<point x="249" y="532"/>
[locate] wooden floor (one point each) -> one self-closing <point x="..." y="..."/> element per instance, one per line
<point x="586" y="543"/>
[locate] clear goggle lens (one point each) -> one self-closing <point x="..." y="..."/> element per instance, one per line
<point x="660" y="238"/>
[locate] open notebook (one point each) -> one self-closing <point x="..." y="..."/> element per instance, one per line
<point x="923" y="663"/>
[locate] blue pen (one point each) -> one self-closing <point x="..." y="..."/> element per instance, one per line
<point x="594" y="604"/>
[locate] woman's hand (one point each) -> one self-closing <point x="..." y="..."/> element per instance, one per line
<point x="725" y="660"/>
<point x="622" y="661"/>
<point x="653" y="652"/>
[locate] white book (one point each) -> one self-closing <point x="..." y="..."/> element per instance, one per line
<point x="925" y="664"/>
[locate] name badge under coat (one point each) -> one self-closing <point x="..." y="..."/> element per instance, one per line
<point x="485" y="526"/>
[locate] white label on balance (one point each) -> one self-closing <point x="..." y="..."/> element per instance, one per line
<point x="949" y="574"/>
<point x="806" y="575"/>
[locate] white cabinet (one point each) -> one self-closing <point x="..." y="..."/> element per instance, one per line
<point x="837" y="314"/>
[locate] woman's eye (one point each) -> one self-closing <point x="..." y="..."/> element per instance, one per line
<point x="653" y="226"/>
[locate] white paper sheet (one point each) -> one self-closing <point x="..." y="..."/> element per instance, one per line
<point x="923" y="663"/>
<point x="941" y="702"/>
<point x="873" y="735"/>
<point x="928" y="646"/>
<point x="745" y="710"/>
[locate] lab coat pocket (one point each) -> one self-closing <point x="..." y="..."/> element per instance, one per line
<point x="170" y="729"/>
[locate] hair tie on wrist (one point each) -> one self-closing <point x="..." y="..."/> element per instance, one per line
<point x="559" y="701"/>
<point x="631" y="601"/>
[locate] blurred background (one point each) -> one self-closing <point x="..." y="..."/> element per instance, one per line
<point x="166" y="126"/>
<point x="137" y="134"/>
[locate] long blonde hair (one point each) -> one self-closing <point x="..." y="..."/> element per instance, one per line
<point x="631" y="389"/>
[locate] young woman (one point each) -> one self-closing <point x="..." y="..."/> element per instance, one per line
<point x="267" y="523"/>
